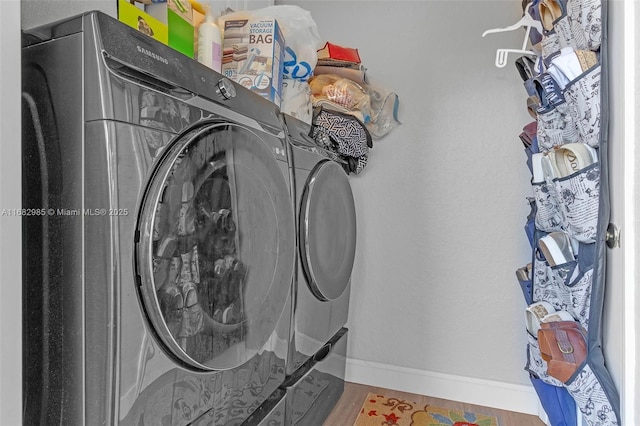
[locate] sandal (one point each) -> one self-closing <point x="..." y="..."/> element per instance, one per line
<point x="556" y="248"/>
<point x="171" y="306"/>
<point x="160" y="272"/>
<point x="231" y="314"/>
<point x="167" y="247"/>
<point x="224" y="221"/>
<point x="192" y="313"/>
<point x="219" y="267"/>
<point x="186" y="220"/>
<point x="570" y="64"/>
<point x="550" y="11"/>
<point x="571" y="158"/>
<point x="187" y="191"/>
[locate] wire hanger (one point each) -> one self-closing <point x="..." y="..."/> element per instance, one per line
<point x="527" y="21"/>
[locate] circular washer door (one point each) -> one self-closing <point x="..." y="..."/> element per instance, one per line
<point x="215" y="246"/>
<point x="327" y="231"/>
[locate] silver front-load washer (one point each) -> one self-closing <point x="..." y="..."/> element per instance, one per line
<point x="160" y="251"/>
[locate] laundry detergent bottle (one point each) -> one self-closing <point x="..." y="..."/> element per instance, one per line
<point x="210" y="43"/>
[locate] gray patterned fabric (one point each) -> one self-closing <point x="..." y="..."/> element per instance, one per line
<point x="556" y="128"/>
<point x="583" y="100"/>
<point x="344" y="135"/>
<point x="547" y="217"/>
<point x="588" y="392"/>
<point x="578" y="195"/>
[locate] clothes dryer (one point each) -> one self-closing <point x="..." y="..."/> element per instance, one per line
<point x="159" y="248"/>
<point x="326" y="220"/>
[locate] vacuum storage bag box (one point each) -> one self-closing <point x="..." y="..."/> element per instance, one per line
<point x="253" y="54"/>
<point x="169" y="22"/>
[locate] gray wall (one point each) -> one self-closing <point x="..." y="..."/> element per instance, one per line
<point x="441" y="205"/>
<point x="39" y="12"/>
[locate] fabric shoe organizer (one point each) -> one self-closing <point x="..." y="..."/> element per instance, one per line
<point x="567" y="89"/>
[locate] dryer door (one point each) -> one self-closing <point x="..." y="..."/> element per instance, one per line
<point x="327" y="231"/>
<point x="215" y="247"/>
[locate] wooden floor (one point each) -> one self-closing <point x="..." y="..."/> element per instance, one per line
<point x="346" y="410"/>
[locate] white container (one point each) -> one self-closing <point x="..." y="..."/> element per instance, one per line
<point x="210" y="44"/>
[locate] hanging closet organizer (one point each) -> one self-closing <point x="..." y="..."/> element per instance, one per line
<point x="570" y="205"/>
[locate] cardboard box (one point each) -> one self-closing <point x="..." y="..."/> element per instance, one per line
<point x="169" y="22"/>
<point x="253" y="54"/>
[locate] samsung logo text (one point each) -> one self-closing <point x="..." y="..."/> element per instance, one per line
<point x="152" y="55"/>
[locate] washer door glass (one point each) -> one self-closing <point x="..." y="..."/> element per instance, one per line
<point x="216" y="244"/>
<point x="327" y="231"/>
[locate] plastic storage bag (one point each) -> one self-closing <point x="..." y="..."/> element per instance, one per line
<point x="376" y="108"/>
<point x="384" y="106"/>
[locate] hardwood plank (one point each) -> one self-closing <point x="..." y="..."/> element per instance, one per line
<point x="348" y="406"/>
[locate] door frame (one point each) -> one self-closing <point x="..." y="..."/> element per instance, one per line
<point x="630" y="389"/>
<point x="10" y="226"/>
<point x="622" y="297"/>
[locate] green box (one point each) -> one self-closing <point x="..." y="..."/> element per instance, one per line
<point x="181" y="33"/>
<point x="169" y="22"/>
<point x="135" y="17"/>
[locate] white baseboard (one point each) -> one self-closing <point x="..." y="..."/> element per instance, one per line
<point x="488" y="393"/>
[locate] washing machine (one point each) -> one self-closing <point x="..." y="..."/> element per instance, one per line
<point x="159" y="234"/>
<point x="326" y="231"/>
<point x="308" y="395"/>
<point x="315" y="387"/>
<point x="326" y="235"/>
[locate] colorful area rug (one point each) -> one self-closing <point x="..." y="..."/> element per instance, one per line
<point x="378" y="410"/>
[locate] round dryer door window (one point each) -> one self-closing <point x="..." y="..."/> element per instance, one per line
<point x="327" y="231"/>
<point x="216" y="246"/>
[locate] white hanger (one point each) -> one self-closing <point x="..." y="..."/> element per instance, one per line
<point x="526" y="21"/>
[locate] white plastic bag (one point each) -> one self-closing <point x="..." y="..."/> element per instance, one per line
<point x="296" y="99"/>
<point x="301" y="39"/>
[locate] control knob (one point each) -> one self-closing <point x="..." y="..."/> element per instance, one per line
<point x="225" y="89"/>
